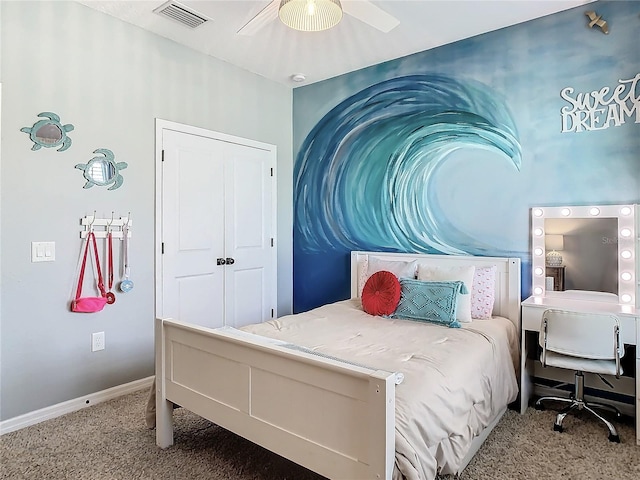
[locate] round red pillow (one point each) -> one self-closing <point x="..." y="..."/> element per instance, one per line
<point x="381" y="293"/>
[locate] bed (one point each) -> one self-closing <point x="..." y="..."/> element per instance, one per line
<point x="347" y="394"/>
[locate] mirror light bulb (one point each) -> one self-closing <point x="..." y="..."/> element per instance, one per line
<point x="626" y="254"/>
<point x="625" y="211"/>
<point x="565" y="212"/>
<point x="539" y="271"/>
<point x="538" y="251"/>
<point x="626" y="298"/>
<point x="538" y="290"/>
<point x="626" y="276"/>
<point x="594" y="211"/>
<point x="538" y="232"/>
<point x="537" y="212"/>
<point x="625" y="232"/>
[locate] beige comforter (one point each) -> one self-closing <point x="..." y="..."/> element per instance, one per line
<point x="456" y="379"/>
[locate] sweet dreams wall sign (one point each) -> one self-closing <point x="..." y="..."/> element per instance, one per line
<point x="601" y="109"/>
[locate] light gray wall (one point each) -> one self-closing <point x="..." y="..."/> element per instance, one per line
<point x="110" y="80"/>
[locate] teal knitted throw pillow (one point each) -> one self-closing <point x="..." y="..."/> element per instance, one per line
<point x="429" y="301"/>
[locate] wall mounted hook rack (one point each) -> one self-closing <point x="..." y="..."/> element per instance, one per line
<point x="90" y="222"/>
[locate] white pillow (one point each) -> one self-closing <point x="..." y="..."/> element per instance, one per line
<point x="452" y="274"/>
<point x="363" y="265"/>
<point x="483" y="292"/>
<point x="399" y="268"/>
<point x="373" y="264"/>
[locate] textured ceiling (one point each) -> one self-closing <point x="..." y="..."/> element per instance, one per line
<point x="277" y="52"/>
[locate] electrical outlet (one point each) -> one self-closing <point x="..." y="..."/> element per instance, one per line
<point x="97" y="341"/>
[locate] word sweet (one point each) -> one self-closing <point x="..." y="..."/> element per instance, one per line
<point x="602" y="108"/>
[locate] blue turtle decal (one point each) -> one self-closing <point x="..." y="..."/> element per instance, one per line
<point x="49" y="132"/>
<point x="103" y="171"/>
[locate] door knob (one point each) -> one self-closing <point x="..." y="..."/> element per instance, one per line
<point x="230" y="261"/>
<point x="220" y="261"/>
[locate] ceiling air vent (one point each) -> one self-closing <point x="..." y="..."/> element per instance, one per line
<point x="181" y="14"/>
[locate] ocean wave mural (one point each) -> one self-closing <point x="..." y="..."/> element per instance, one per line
<point x="365" y="176"/>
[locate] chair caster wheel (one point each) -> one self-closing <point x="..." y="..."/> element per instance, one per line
<point x="614" y="438"/>
<point x="557" y="428"/>
<point x="539" y="407"/>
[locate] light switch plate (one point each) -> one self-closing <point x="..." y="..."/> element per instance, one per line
<point x="43" y="251"/>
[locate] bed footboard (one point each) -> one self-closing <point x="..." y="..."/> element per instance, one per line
<point x="333" y="418"/>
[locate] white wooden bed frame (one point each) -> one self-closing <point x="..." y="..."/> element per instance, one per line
<point x="331" y="417"/>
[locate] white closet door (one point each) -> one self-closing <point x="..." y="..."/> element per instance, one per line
<point x="248" y="211"/>
<point x="193" y="229"/>
<point x="217" y="203"/>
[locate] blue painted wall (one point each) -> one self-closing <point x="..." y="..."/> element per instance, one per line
<point x="445" y="151"/>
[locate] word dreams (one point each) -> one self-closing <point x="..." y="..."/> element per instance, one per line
<point x="602" y="108"/>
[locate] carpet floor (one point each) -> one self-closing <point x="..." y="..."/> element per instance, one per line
<point x="110" y="441"/>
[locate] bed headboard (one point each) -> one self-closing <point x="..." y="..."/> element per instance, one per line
<point x="507" y="299"/>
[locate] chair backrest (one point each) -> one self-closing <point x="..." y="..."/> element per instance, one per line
<point x="585" y="335"/>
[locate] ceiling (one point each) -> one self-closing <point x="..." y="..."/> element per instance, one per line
<point x="278" y="52"/>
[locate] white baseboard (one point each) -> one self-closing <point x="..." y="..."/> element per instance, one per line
<point x="47" y="413"/>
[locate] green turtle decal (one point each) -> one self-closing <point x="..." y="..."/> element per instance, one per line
<point x="49" y="132"/>
<point x="103" y="171"/>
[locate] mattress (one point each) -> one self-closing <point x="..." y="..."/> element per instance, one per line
<point x="455" y="379"/>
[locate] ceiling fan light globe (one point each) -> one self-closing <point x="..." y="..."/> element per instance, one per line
<point x="310" y="15"/>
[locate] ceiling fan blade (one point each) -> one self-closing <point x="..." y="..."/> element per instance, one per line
<point x="267" y="14"/>
<point x="368" y="13"/>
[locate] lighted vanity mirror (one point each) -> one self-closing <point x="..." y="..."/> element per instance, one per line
<point x="584" y="248"/>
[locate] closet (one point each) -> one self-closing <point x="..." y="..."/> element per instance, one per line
<point x="216" y="228"/>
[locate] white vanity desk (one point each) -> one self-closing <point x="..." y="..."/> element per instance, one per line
<point x="600" y="246"/>
<point x="595" y="302"/>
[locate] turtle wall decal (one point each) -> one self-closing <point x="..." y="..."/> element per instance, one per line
<point x="49" y="132"/>
<point x="103" y="171"/>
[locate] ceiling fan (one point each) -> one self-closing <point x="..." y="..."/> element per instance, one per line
<point x="363" y="10"/>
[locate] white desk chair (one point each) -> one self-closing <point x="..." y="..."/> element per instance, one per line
<point x="584" y="342"/>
